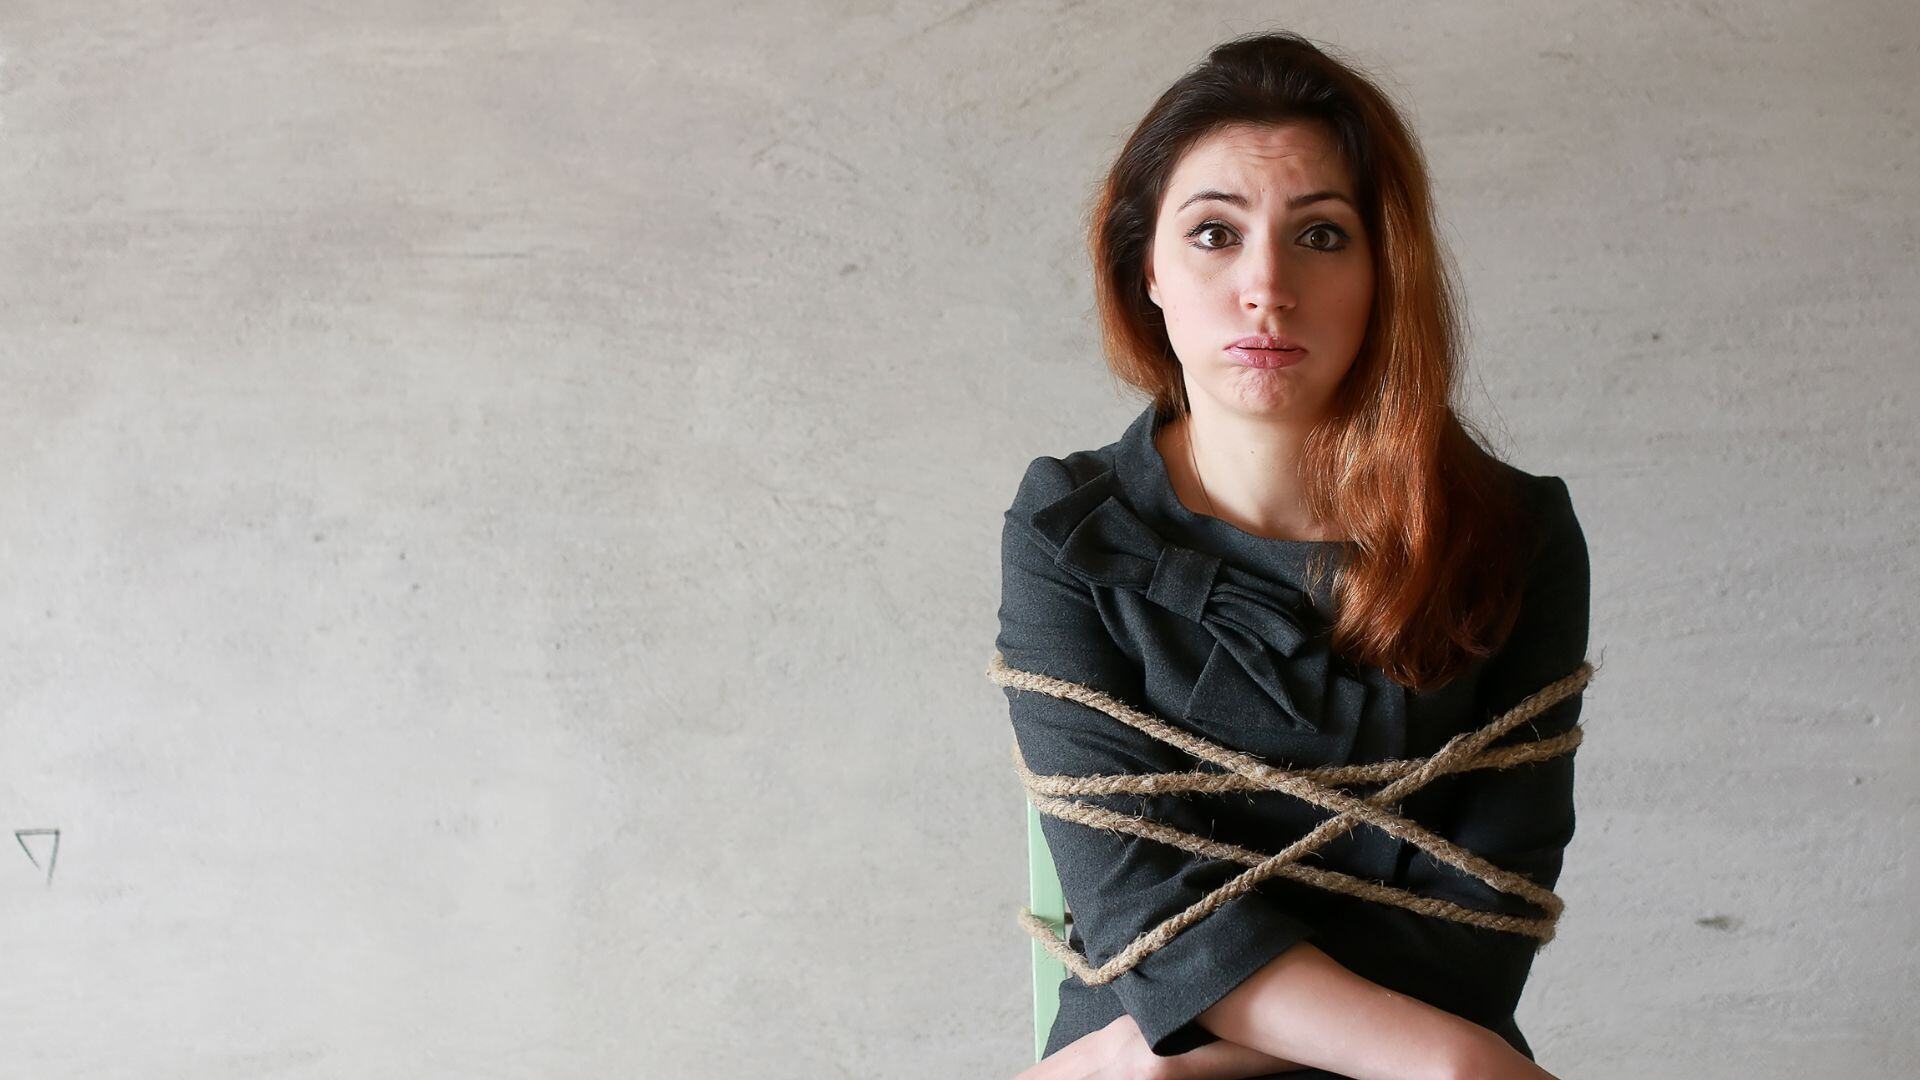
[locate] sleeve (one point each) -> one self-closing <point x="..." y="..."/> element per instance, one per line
<point x="1118" y="886"/>
<point x="1521" y="818"/>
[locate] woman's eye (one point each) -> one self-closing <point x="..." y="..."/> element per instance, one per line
<point x="1207" y="227"/>
<point x="1335" y="231"/>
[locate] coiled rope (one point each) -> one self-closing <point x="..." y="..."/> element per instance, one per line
<point x="1052" y="795"/>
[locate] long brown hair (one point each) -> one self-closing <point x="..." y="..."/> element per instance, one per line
<point x="1434" y="521"/>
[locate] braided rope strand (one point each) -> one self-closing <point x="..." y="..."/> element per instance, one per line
<point x="1463" y="752"/>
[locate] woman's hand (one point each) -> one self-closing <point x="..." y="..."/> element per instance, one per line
<point x="1115" y="1052"/>
<point x="1119" y="1052"/>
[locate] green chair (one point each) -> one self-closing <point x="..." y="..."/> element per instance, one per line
<point x="1046" y="901"/>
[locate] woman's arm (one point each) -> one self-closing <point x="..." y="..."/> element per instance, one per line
<point x="1119" y="1051"/>
<point x="1522" y="818"/>
<point x="1304" y="1007"/>
<point x="1117" y="885"/>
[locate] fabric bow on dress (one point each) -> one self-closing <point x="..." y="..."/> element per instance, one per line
<point x="1270" y="645"/>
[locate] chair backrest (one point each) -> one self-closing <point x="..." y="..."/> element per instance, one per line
<point x="1047" y="902"/>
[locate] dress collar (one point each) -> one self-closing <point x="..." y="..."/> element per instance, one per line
<point x="1143" y="476"/>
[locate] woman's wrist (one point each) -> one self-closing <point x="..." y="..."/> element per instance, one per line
<point x="1477" y="1053"/>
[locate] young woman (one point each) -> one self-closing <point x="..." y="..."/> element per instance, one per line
<point x="1299" y="551"/>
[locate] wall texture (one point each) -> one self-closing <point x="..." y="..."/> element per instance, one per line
<point x="501" y="502"/>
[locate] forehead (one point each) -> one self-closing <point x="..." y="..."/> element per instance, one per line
<point x="1250" y="158"/>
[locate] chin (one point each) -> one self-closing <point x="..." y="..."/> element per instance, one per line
<point x="1264" y="394"/>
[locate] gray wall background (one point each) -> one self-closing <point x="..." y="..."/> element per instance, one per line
<point x="501" y="507"/>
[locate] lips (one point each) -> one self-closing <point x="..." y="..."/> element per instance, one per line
<point x="1276" y="342"/>
<point x="1266" y="358"/>
<point x="1266" y="351"/>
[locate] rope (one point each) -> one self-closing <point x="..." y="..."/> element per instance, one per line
<point x="1051" y="795"/>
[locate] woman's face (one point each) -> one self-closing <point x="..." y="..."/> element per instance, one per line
<point x="1248" y="244"/>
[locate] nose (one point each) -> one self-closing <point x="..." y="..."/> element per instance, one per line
<point x="1269" y="281"/>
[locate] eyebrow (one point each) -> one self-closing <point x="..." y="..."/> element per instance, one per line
<point x="1295" y="203"/>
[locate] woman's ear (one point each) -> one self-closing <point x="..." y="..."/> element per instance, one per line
<point x="1153" y="288"/>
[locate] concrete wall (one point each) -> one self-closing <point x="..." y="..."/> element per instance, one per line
<point x="500" y="515"/>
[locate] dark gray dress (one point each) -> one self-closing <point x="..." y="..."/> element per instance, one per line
<point x="1110" y="581"/>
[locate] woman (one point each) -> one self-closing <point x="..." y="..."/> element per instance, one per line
<point x="1298" y="551"/>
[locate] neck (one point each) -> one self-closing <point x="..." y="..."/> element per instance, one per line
<point x="1249" y="470"/>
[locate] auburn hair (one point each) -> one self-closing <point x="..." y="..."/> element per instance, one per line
<point x="1435" y="551"/>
